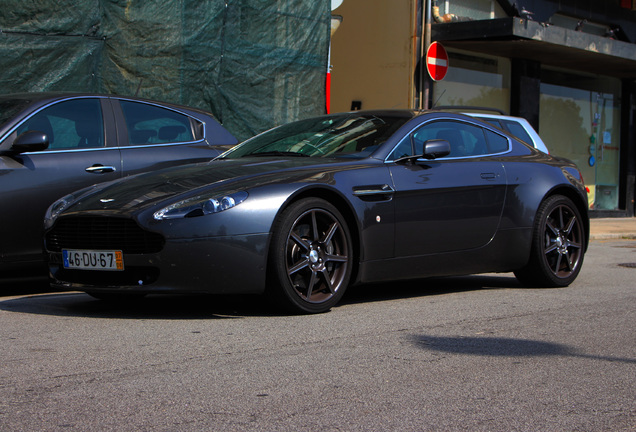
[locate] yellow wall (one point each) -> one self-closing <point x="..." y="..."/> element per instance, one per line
<point x="372" y="54"/>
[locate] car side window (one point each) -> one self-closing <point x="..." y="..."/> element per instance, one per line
<point x="517" y="130"/>
<point x="71" y="124"/>
<point x="496" y="143"/>
<point x="465" y="139"/>
<point x="492" y="121"/>
<point x="150" y="124"/>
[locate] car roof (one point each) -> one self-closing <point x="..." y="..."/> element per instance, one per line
<point x="46" y="97"/>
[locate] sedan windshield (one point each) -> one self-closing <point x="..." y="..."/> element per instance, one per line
<point x="349" y="135"/>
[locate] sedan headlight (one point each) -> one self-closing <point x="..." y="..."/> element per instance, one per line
<point x="200" y="206"/>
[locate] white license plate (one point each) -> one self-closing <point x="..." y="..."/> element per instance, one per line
<point x="93" y="260"/>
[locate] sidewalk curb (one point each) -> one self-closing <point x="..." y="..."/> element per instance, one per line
<point x="612" y="236"/>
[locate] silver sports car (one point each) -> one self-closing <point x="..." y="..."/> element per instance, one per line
<point x="303" y="211"/>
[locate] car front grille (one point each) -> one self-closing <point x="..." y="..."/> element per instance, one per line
<point x="102" y="233"/>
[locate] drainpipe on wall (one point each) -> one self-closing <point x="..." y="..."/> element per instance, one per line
<point x="425" y="83"/>
<point x="335" y="23"/>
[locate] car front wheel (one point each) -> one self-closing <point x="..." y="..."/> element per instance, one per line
<point x="310" y="257"/>
<point x="558" y="245"/>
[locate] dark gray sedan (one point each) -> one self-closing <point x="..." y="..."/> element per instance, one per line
<point x="52" y="144"/>
<point x="306" y="209"/>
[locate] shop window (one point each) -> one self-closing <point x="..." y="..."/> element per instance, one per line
<point x="580" y="120"/>
<point x="479" y="81"/>
<point x="472" y="9"/>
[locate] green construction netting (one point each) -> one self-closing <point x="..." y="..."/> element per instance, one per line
<point x="253" y="63"/>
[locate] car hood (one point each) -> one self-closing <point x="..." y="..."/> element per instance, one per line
<point x="225" y="175"/>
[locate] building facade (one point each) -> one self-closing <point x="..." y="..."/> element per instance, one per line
<point x="568" y="67"/>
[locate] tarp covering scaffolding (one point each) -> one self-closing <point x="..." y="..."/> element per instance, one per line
<point x="253" y="63"/>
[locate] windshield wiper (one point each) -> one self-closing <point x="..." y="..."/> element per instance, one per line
<point x="276" y="153"/>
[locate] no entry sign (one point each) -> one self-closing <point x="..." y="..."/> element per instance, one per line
<point x="436" y="61"/>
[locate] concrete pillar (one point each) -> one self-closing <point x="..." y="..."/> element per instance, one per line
<point x="525" y="90"/>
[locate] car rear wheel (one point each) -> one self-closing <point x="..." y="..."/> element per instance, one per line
<point x="310" y="257"/>
<point x="558" y="245"/>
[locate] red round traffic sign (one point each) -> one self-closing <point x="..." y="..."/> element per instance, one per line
<point x="436" y="61"/>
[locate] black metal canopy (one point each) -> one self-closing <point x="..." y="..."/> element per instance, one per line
<point x="550" y="45"/>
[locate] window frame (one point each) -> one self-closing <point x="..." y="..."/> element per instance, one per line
<point x="106" y="118"/>
<point x="408" y="137"/>
<point x="196" y="127"/>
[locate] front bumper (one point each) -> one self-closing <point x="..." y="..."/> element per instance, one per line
<point x="217" y="265"/>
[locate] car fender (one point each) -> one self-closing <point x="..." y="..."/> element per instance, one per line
<point x="531" y="185"/>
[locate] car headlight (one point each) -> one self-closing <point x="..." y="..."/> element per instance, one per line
<point x="200" y="206"/>
<point x="64" y="203"/>
<point x="55" y="209"/>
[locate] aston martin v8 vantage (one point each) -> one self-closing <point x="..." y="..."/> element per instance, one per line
<point x="305" y="210"/>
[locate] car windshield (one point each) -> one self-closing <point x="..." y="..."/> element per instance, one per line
<point x="9" y="107"/>
<point x="349" y="135"/>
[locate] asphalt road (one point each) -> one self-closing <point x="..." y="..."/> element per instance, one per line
<point x="475" y="353"/>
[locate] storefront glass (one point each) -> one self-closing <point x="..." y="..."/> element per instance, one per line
<point x="474" y="81"/>
<point x="579" y="119"/>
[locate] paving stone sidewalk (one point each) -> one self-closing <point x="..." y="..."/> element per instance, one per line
<point x="612" y="228"/>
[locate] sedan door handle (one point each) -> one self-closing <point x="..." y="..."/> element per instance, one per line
<point x="100" y="169"/>
<point x="488" y="176"/>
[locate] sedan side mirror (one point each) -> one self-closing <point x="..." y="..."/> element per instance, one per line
<point x="30" y="141"/>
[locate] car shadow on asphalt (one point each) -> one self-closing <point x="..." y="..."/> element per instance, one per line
<point x="231" y="306"/>
<point x="504" y="347"/>
<point x="161" y="307"/>
<point x="427" y="287"/>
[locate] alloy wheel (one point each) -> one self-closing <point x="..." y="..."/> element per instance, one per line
<point x="563" y="241"/>
<point x="317" y="255"/>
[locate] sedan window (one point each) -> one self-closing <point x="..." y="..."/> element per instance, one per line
<point x="149" y="124"/>
<point x="72" y="124"/>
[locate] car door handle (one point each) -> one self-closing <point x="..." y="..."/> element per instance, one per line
<point x="100" y="169"/>
<point x="488" y="176"/>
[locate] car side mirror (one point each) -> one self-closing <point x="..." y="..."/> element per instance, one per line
<point x="436" y="148"/>
<point x="30" y="141"/>
<point x="432" y="149"/>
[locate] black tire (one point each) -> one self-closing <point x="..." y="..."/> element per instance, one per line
<point x="310" y="257"/>
<point x="558" y="245"/>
